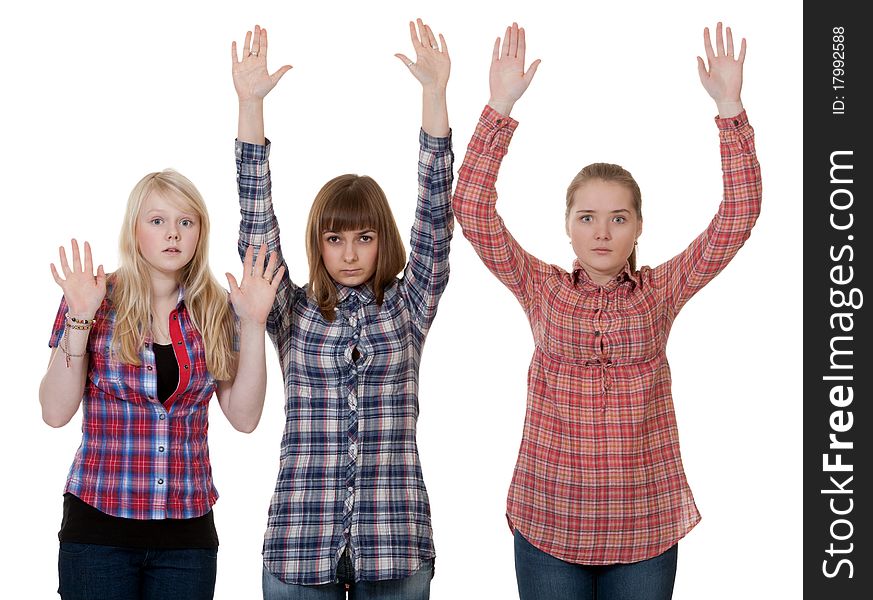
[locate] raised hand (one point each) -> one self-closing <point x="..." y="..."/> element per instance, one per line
<point x="724" y="78"/>
<point x="253" y="299"/>
<point x="432" y="64"/>
<point x="507" y="78"/>
<point x="250" y="76"/>
<point x="83" y="290"/>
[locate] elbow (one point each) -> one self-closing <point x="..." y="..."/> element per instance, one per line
<point x="55" y="420"/>
<point x="246" y="426"/>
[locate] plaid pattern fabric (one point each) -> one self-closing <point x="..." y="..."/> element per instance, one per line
<point x="140" y="459"/>
<point x="349" y="472"/>
<point x="599" y="477"/>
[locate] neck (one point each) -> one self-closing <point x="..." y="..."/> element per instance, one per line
<point x="165" y="288"/>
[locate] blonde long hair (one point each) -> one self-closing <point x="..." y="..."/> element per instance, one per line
<point x="352" y="202"/>
<point x="610" y="173"/>
<point x="205" y="299"/>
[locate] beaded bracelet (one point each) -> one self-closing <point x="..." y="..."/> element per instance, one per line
<point x="79" y="324"/>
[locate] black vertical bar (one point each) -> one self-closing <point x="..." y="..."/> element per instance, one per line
<point x="838" y="436"/>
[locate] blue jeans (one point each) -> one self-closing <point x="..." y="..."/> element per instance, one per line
<point x="414" y="587"/>
<point x="92" y="572"/>
<point x="541" y="576"/>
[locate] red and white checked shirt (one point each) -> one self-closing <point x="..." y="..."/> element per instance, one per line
<point x="141" y="459"/>
<point x="599" y="477"/>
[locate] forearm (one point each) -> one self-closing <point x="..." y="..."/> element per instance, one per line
<point x="245" y="401"/>
<point x="250" y="126"/>
<point x="434" y="112"/>
<point x="62" y="387"/>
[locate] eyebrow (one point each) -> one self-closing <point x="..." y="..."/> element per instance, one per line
<point x="362" y="231"/>
<point x="588" y="210"/>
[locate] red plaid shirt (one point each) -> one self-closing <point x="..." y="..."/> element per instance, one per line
<point x="599" y="477"/>
<point x="141" y="459"/>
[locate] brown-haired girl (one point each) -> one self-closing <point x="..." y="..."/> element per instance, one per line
<point x="350" y="510"/>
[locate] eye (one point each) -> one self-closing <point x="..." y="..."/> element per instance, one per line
<point x="156" y="221"/>
<point x="619" y="219"/>
<point x="366" y="238"/>
<point x="586" y="218"/>
<point x="332" y="239"/>
<point x="186" y="223"/>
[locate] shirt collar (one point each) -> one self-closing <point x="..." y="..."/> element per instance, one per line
<point x="363" y="292"/>
<point x="581" y="277"/>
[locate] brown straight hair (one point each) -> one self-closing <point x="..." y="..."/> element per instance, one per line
<point x="346" y="203"/>
<point x="610" y="173"/>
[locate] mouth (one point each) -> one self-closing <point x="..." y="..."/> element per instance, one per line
<point x="351" y="272"/>
<point x="601" y="250"/>
<point x="172" y="251"/>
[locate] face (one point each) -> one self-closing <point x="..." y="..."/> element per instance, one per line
<point x="603" y="226"/>
<point x="350" y="256"/>
<point x="166" y="233"/>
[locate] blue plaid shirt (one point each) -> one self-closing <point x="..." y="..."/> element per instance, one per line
<point x="349" y="472"/>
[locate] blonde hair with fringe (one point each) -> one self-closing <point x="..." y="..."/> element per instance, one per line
<point x="346" y="203"/>
<point x="614" y="174"/>
<point x="205" y="299"/>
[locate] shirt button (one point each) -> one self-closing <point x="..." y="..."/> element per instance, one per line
<point x="736" y="122"/>
<point x="500" y="121"/>
<point x="186" y="367"/>
<point x="162" y="417"/>
<point x="149" y="367"/>
<point x="160" y="482"/>
<point x="179" y="342"/>
<point x="353" y="450"/>
<point x="597" y="333"/>
<point x="160" y="448"/>
<point x="151" y="397"/>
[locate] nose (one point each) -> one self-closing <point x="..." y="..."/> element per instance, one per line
<point x="602" y="232"/>
<point x="350" y="255"/>
<point x="173" y="234"/>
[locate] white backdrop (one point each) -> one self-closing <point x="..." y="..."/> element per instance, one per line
<point x="96" y="96"/>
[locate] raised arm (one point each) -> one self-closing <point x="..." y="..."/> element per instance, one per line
<point x="258" y="224"/>
<point x="475" y="196"/>
<point x="427" y="272"/>
<point x="253" y="82"/>
<point x="689" y="271"/>
<point x="242" y="399"/>
<point x="63" y="385"/>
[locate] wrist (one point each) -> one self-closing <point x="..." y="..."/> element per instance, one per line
<point x="504" y="107"/>
<point x="251" y="104"/>
<point x="729" y="108"/>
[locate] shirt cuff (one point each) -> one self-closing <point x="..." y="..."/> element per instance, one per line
<point x="495" y="120"/>
<point x="247" y="152"/>
<point x="732" y="122"/>
<point x="435" y="144"/>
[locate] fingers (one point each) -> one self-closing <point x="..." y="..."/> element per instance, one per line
<point x="701" y="69"/>
<point x="55" y="275"/>
<point x="247" y="45"/>
<point x="256" y="41"/>
<point x="532" y="70"/>
<point x="259" y="263"/>
<point x="495" y="55"/>
<point x="413" y="36"/>
<point x="505" y="50"/>
<point x="431" y="38"/>
<point x="231" y="281"/>
<point x="719" y="40"/>
<point x="77" y="260"/>
<point x="707" y="44"/>
<point x="443" y="45"/>
<point x="234" y="57"/>
<point x="513" y="41"/>
<point x="275" y="77"/>
<point x="277" y="278"/>
<point x="89" y="265"/>
<point x="101" y="275"/>
<point x="271" y="266"/>
<point x="405" y="59"/>
<point x="730" y="42"/>
<point x="263" y="44"/>
<point x="742" y="57"/>
<point x="65" y="266"/>
<point x="521" y="44"/>
<point x="248" y="262"/>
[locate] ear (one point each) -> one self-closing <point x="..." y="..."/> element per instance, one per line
<point x="640" y="228"/>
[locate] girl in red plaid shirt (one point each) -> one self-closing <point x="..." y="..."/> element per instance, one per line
<point x="142" y="350"/>
<point x="599" y="499"/>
